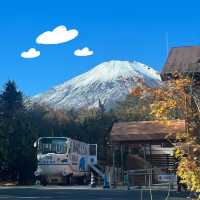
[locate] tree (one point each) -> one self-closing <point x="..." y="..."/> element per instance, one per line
<point x="133" y="109"/>
<point x="176" y="99"/>
<point x="11" y="100"/>
<point x="18" y="135"/>
<point x="11" y="104"/>
<point x="94" y="128"/>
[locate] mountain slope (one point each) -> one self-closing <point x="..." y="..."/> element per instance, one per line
<point x="108" y="82"/>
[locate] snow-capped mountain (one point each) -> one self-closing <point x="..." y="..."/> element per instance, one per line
<point x="108" y="82"/>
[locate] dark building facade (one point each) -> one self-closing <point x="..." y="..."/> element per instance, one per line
<point x="145" y="145"/>
<point x="183" y="61"/>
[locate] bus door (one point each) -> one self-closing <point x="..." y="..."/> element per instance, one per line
<point x="93" y="153"/>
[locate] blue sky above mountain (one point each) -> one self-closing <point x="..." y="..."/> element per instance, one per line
<point x="122" y="30"/>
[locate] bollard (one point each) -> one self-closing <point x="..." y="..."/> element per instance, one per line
<point x="92" y="183"/>
<point x="105" y="182"/>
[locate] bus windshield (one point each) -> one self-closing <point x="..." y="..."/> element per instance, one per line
<point x="52" y="145"/>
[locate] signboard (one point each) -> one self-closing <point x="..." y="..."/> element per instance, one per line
<point x="163" y="178"/>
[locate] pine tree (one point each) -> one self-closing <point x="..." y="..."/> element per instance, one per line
<point x="11" y="107"/>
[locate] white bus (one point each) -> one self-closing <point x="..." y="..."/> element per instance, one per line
<point x="60" y="159"/>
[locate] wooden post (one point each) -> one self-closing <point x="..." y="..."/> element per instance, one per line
<point x="150" y="153"/>
<point x="145" y="165"/>
<point x="151" y="161"/>
<point x="122" y="160"/>
<point x="114" y="178"/>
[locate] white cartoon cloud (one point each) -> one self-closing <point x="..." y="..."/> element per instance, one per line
<point x="31" y="53"/>
<point x="83" y="52"/>
<point x="58" y="35"/>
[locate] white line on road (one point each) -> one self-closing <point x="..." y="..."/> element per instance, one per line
<point x="105" y="198"/>
<point x="45" y="197"/>
<point x="14" y="197"/>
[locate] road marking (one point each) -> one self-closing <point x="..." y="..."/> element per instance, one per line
<point x="45" y="197"/>
<point x="14" y="197"/>
<point x="27" y="197"/>
<point x="105" y="198"/>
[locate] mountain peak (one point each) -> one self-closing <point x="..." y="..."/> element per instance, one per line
<point x="108" y="82"/>
<point x="118" y="67"/>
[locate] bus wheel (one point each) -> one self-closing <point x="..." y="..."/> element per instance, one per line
<point x="68" y="180"/>
<point x="85" y="180"/>
<point x="43" y="181"/>
<point x="82" y="180"/>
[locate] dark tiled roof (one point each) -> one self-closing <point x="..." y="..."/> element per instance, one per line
<point x="182" y="60"/>
<point x="145" y="130"/>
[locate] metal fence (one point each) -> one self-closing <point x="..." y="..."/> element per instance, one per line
<point x="151" y="177"/>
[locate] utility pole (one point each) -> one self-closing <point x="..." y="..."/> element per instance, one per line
<point x="167" y="43"/>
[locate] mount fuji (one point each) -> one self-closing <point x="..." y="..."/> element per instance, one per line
<point x="108" y="83"/>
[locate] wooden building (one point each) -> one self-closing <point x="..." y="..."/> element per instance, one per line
<point x="150" y="144"/>
<point x="183" y="60"/>
<point x="145" y="144"/>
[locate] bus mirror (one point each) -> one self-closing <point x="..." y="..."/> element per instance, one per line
<point x="35" y="144"/>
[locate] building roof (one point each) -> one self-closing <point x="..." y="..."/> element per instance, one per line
<point x="145" y="130"/>
<point x="182" y="60"/>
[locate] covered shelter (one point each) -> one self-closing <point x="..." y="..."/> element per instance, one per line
<point x="148" y="131"/>
<point x="184" y="60"/>
<point x="145" y="144"/>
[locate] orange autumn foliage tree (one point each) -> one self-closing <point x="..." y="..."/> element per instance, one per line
<point x="176" y="99"/>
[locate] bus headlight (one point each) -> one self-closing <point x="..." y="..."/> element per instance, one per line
<point x="38" y="172"/>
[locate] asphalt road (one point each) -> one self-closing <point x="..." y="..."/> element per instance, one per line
<point x="56" y="193"/>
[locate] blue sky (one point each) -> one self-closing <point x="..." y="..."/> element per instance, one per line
<point x="113" y="29"/>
